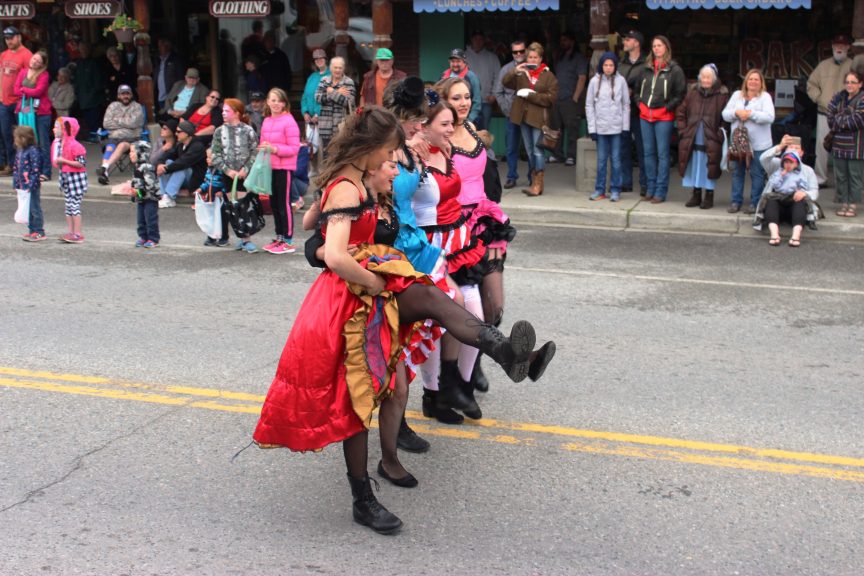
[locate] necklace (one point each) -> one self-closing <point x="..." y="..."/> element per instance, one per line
<point x="358" y="169"/>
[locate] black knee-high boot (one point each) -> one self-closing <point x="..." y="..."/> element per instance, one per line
<point x="368" y="511"/>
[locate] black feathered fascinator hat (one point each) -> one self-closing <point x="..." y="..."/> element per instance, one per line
<point x="407" y="99"/>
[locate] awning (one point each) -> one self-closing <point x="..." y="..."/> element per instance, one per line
<point x="483" y="5"/>
<point x="724" y="4"/>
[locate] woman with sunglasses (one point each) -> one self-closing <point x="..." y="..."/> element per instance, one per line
<point x="207" y="117"/>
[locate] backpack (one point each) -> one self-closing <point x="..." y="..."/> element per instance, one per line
<point x="739" y="145"/>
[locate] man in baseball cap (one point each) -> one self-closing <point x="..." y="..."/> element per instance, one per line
<point x="123" y="122"/>
<point x="376" y="80"/>
<point x="183" y="167"/>
<point x="459" y="67"/>
<point x="308" y="106"/>
<point x="15" y="58"/>
<point x="631" y="69"/>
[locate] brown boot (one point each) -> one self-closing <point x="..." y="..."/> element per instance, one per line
<point x="533" y="179"/>
<point x="536" y="184"/>
<point x="695" y="199"/>
<point x="707" y="200"/>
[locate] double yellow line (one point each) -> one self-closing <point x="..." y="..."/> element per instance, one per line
<point x="767" y="460"/>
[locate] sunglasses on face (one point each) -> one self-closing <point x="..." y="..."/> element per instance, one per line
<point x="518" y="51"/>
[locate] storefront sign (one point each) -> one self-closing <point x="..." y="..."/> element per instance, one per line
<point x="778" y="60"/>
<point x="83" y="9"/>
<point x="482" y="5"/>
<point x="724" y="4"/>
<point x="17" y="10"/>
<point x="239" y="8"/>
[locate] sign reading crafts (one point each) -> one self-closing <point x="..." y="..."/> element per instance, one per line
<point x="17" y="10"/>
<point x="239" y="8"/>
<point x="482" y="5"/>
<point x="92" y="8"/>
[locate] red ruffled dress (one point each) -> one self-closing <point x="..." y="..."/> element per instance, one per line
<point x="339" y="360"/>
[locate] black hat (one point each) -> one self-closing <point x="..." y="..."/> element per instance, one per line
<point x="409" y="93"/>
<point x="186" y="127"/>
<point x="635" y="35"/>
<point x="458" y="53"/>
<point x="171" y="124"/>
<point x="257" y="96"/>
<point x="10" y="31"/>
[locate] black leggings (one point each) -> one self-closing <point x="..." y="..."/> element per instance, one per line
<point x="788" y="210"/>
<point x="283" y="216"/>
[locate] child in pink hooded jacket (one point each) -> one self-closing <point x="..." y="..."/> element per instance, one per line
<point x="70" y="157"/>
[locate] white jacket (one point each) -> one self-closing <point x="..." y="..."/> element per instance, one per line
<point x="607" y="111"/>
<point x="759" y="124"/>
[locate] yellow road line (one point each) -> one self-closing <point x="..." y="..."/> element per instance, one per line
<point x="621" y="444"/>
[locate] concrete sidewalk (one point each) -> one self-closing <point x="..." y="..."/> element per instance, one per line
<point x="562" y="204"/>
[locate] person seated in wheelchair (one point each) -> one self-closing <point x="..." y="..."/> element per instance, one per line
<point x="122" y="125"/>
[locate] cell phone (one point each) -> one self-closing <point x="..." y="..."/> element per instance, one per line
<point x="794" y="140"/>
<point x="530" y="66"/>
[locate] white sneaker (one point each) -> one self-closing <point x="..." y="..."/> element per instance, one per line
<point x="167" y="202"/>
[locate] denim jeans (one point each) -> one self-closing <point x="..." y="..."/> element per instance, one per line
<point x="531" y="136"/>
<point x="148" y="220"/>
<point x="757" y="180"/>
<point x="36" y="222"/>
<point x="511" y="139"/>
<point x="485" y="116"/>
<point x="635" y="136"/>
<point x="8" y="120"/>
<point x="171" y="183"/>
<point x="43" y="131"/>
<point x="656" y="137"/>
<point x="608" y="147"/>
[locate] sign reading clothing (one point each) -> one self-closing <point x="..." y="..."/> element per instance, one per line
<point x="723" y="4"/>
<point x="482" y="5"/>
<point x="239" y="8"/>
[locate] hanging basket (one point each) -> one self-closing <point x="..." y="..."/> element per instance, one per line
<point x="124" y="35"/>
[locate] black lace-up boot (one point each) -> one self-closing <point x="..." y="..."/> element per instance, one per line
<point x="368" y="511"/>
<point x="451" y="393"/>
<point x="511" y="353"/>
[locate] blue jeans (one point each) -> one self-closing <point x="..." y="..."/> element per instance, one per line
<point x="757" y="180"/>
<point x="8" y="120"/>
<point x="531" y="136"/>
<point x="608" y="146"/>
<point x="43" y="132"/>
<point x="656" y="137"/>
<point x="148" y="220"/>
<point x="511" y="139"/>
<point x="172" y="182"/>
<point x="36" y="222"/>
<point x="635" y="135"/>
<point x="485" y="116"/>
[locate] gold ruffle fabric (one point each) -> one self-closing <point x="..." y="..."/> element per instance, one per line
<point x="365" y="390"/>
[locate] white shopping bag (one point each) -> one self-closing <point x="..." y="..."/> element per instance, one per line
<point x="208" y="215"/>
<point x="22" y="214"/>
<point x="313" y="137"/>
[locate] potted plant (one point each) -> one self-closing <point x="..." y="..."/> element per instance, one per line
<point x="123" y="27"/>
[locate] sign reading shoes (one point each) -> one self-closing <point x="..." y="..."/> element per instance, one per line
<point x="239" y="8"/>
<point x="22" y="10"/>
<point x="93" y="8"/>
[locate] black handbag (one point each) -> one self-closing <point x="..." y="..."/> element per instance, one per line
<point x="246" y="215"/>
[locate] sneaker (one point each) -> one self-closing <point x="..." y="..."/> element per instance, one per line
<point x="570" y="162"/>
<point x="298" y="205"/>
<point x="34" y="237"/>
<point x="289" y="247"/>
<point x="616" y="196"/>
<point x="240" y="245"/>
<point x="140" y="242"/>
<point x="210" y="241"/>
<point x="749" y="209"/>
<point x="222" y="242"/>
<point x="282" y="248"/>
<point x="103" y="175"/>
<point x="270" y="246"/>
<point x="250" y="247"/>
<point x="597" y="196"/>
<point x="553" y="160"/>
<point x="150" y="244"/>
<point x="167" y="202"/>
<point x="75" y="238"/>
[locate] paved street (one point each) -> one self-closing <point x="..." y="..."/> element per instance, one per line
<point x="702" y="415"/>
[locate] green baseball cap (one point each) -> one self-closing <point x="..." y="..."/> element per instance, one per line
<point x="383" y="54"/>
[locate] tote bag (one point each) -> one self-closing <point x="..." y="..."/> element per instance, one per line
<point x="208" y="215"/>
<point x="260" y="176"/>
<point x="246" y="215"/>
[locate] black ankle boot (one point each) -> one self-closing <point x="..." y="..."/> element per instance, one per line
<point x="431" y="410"/>
<point x="468" y="390"/>
<point x="541" y="360"/>
<point x="368" y="511"/>
<point x="478" y="379"/>
<point x="511" y="353"/>
<point x="410" y="441"/>
<point x="695" y="199"/>
<point x="451" y="390"/>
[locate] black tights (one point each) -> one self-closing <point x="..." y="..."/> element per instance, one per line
<point x="492" y="296"/>
<point x="421" y="301"/>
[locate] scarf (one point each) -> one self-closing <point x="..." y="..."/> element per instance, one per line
<point x="534" y="75"/>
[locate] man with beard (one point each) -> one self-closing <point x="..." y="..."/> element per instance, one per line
<point x="505" y="97"/>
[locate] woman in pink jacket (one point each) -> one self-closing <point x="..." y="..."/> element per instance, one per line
<point x="32" y="84"/>
<point x="280" y="135"/>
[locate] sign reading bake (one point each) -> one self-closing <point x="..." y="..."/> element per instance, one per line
<point x="22" y="10"/>
<point x="239" y="8"/>
<point x="93" y="8"/>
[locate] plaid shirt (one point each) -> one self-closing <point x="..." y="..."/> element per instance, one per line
<point x="334" y="106"/>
